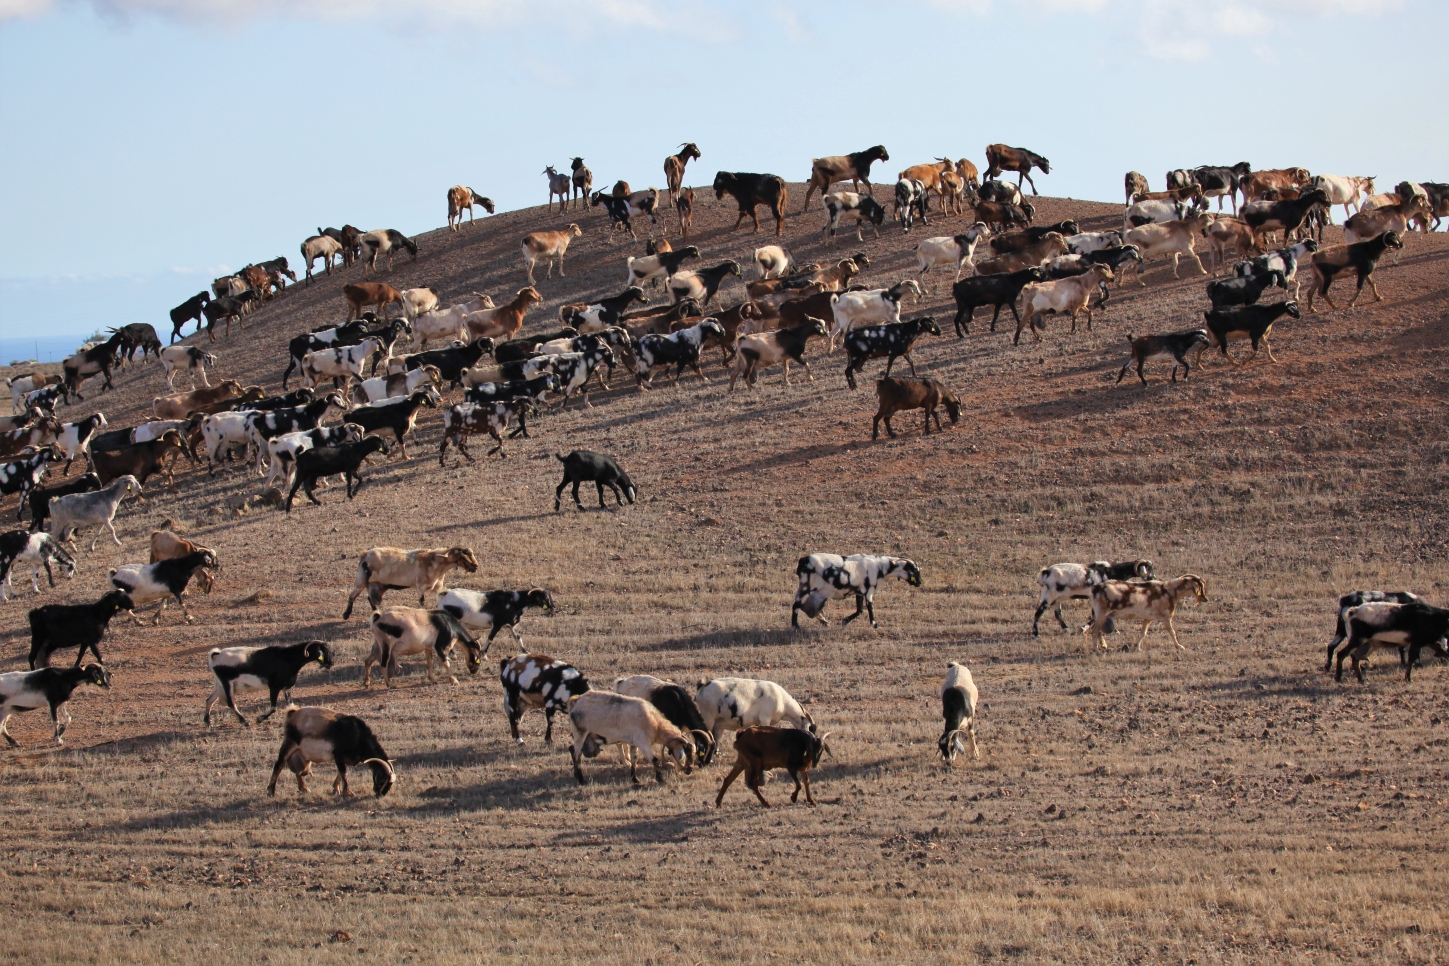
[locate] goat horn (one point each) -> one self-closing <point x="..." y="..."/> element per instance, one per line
<point x="384" y="763"/>
<point x="708" y="738"/>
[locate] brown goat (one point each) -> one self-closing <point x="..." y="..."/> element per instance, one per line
<point x="359" y="295"/>
<point x="897" y="394"/>
<point x="503" y="322"/>
<point x="764" y="748"/>
<point x="684" y="204"/>
<point x="1031" y="256"/>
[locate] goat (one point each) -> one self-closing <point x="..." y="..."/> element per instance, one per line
<point x="451" y="362"/>
<point x="1362" y="257"/>
<point x="493" y="610"/>
<point x="1144" y="600"/>
<point x="732" y="704"/>
<point x="874" y="305"/>
<point x="161" y="581"/>
<point x="318" y="735"/>
<point x="1253" y="321"/>
<point x="41" y="498"/>
<point x="1001" y="158"/>
<point x="1372" y="626"/>
<point x="57" y="626"/>
<point x="1353" y="599"/>
<point x="958" y="706"/>
<point x="1023" y="238"/>
<point x="1244" y="290"/>
<point x="680" y="349"/>
<point x="582" y="466"/>
<point x="999" y="217"/>
<point x="1033" y="255"/>
<point x="471" y="419"/>
<point x="36" y="550"/>
<point x="752" y="190"/>
<point x="323" y="247"/>
<point x="762" y="350"/>
<point x="1135" y="184"/>
<point x="610" y="311"/>
<point x="380" y="388"/>
<point x="1175" y="238"/>
<point x="855" y="167"/>
<point x="98" y="508"/>
<point x="951" y="251"/>
<point x="662" y="265"/>
<point x="1257" y="183"/>
<point x="387" y="568"/>
<point x="701" y="284"/>
<point x="39" y="432"/>
<point x="1286" y="216"/>
<point x="394" y="416"/>
<point x="97" y="360"/>
<point x="548" y="245"/>
<point x="384" y="242"/>
<point x="190" y="358"/>
<point x="273" y="669"/>
<point x="897" y="394"/>
<point x="343" y="459"/>
<point x="405" y="631"/>
<point x="47" y="687"/>
<point x="1064" y="295"/>
<point x="137" y="335"/>
<point x="1171" y="345"/>
<point x="538" y="681"/>
<point x="1398" y="218"/>
<point x="1228" y="232"/>
<point x="460" y="197"/>
<point x="863" y="207"/>
<point x="826" y="576"/>
<point x="191" y="311"/>
<point x="774" y="261"/>
<point x="558" y="184"/>
<point x="447" y="325"/>
<point x="602" y="717"/>
<point x="675" y="703"/>
<point x="892" y="340"/>
<point x="24" y="474"/>
<point x="1073" y="581"/>
<point x="283" y="450"/>
<point x="760" y="749"/>
<point x="994" y="290"/>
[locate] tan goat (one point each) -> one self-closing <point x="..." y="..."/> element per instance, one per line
<point x="387" y="568"/>
<point x="1064" y="295"/>
<point x="1175" y="238"/>
<point x="548" y="245"/>
<point x="1144" y="600"/>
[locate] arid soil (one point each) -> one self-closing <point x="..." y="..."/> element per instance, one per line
<point x="1231" y="803"/>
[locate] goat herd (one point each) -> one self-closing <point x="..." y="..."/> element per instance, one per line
<point x="1054" y="269"/>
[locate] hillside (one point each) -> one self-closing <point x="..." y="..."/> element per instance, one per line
<point x="1212" y="805"/>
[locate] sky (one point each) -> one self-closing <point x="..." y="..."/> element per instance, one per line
<point x="153" y="145"/>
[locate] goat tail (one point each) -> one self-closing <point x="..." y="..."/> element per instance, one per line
<point x="560" y="457"/>
<point x="1130" y="338"/>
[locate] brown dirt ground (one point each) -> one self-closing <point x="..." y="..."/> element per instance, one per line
<point x="1233" y="805"/>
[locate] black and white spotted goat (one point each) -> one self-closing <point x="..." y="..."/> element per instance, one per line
<point x="911" y="202"/>
<point x="893" y="340"/>
<point x="24" y="474"/>
<point x="1353" y="599"/>
<point x="48" y="687"/>
<point x="1073" y="581"/>
<point x="263" y="427"/>
<point x="493" y="610"/>
<point x="826" y="576"/>
<point x="679" y="349"/>
<point x="273" y="669"/>
<point x="37" y="550"/>
<point x="538" y="681"/>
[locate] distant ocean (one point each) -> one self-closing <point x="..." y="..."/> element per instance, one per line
<point x="41" y="348"/>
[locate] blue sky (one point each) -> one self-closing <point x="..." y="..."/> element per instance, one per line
<point x="152" y="144"/>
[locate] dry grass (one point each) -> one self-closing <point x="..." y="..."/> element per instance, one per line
<point x="1232" y="806"/>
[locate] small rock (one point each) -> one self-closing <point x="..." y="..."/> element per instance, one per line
<point x="271" y="496"/>
<point x="1084" y="689"/>
<point x="1051" y="809"/>
<point x="1310" y="778"/>
<point x="340" y="936"/>
<point x="258" y="597"/>
<point x="237" y="502"/>
<point x="879" y="936"/>
<point x="241" y="511"/>
<point x="709" y="522"/>
<point x="170" y="524"/>
<point x="979" y="819"/>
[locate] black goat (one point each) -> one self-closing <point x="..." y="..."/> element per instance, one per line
<point x="1172" y="345"/>
<point x="516" y="350"/>
<point x="138" y="335"/>
<point x="57" y="626"/>
<point x="1416" y="625"/>
<point x="274" y="668"/>
<point x="994" y="290"/>
<point x="618" y="209"/>
<point x="1363" y="257"/>
<point x="1353" y="599"/>
<point x="750" y="191"/>
<point x="46" y="688"/>
<point x="1251" y="321"/>
<point x="582" y="466"/>
<point x="344" y="460"/>
<point x="450" y="361"/>
<point x="322" y="735"/>
<point x="702" y="284"/>
<point x="188" y="311"/>
<point x="396" y="416"/>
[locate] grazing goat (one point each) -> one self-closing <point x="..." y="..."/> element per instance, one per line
<point x="537" y="681"/>
<point x="162" y="581"/>
<point x="994" y="290"/>
<point x="548" y="245"/>
<point x="761" y="350"/>
<point x="603" y="717"/>
<point x="951" y="251"/>
<point x="359" y="295"/>
<point x="958" y="707"/>
<point x="675" y="703"/>
<point x="1144" y="600"/>
<point x="731" y="704"/>
<point x="900" y="394"/>
<point x="752" y="190"/>
<point x="1353" y="599"/>
<point x="1361" y="257"/>
<point x="863" y="207"/>
<point x="892" y="340"/>
<point x="1374" y="626"/>
<point x="320" y="735"/>
<point x="1064" y="295"/>
<point x="407" y="631"/>
<point x="57" y="626"/>
<point x="1171" y="345"/>
<point x="493" y="610"/>
<point x="826" y="576"/>
<point x="383" y="242"/>
<point x="47" y="687"/>
<point x="98" y="509"/>
<point x="1073" y="581"/>
<point x="460" y="197"/>
<point x="343" y="459"/>
<point x="760" y="749"/>
<point x="1001" y="158"/>
<point x="273" y="669"/>
<point x="36" y="550"/>
<point x="387" y="568"/>
<point x="582" y="466"/>
<point x="1254" y="322"/>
